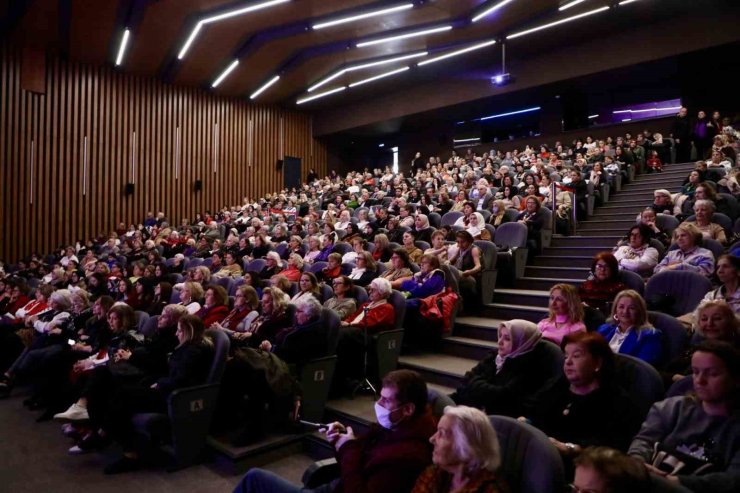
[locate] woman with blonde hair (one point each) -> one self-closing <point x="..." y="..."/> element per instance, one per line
<point x="381" y="253"/>
<point x="465" y="457"/>
<point x="630" y="332"/>
<point x="190" y="294"/>
<point x="498" y="213"/>
<point x="689" y="255"/>
<point x="565" y="314"/>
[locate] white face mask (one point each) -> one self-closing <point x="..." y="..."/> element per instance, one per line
<point x="384" y="416"/>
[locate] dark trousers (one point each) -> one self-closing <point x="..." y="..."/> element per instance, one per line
<point x="123" y="404"/>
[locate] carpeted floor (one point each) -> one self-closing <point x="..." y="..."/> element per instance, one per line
<point x="34" y="459"/>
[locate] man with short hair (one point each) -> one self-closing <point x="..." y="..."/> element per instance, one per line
<point x="388" y="458"/>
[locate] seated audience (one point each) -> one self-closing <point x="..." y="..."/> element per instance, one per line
<point x="599" y="290"/>
<point x="190" y="294"/>
<point x="238" y="320"/>
<point x="365" y="270"/>
<point x="565" y="314"/>
<point x="689" y="255"/>
<point x="468" y="260"/>
<point x="308" y="285"/>
<point x="637" y="255"/>
<point x="728" y="273"/>
<point x="412" y="250"/>
<point x="216" y="305"/>
<point x="342" y="302"/>
<point x="703" y="210"/>
<point x="605" y="470"/>
<point x="399" y="269"/>
<point x="294" y="269"/>
<point x="438" y="247"/>
<point x="630" y="332"/>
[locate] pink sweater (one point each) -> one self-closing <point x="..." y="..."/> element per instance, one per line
<point x="550" y="332"/>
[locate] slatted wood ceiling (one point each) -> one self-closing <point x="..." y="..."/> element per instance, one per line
<point x="160" y="137"/>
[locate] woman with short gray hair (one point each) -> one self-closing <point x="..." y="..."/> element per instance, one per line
<point x="466" y="454"/>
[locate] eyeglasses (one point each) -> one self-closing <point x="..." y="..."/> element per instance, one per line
<point x="601" y="266"/>
<point x="337" y="283"/>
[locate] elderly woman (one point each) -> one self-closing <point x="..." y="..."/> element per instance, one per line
<point x="505" y="380"/>
<point x="358" y="247"/>
<point x="294" y="269"/>
<point x="705" y="191"/>
<point x="273" y="265"/>
<point x="365" y="271"/>
<point x="231" y="267"/>
<point x="332" y="270"/>
<point x="695" y="440"/>
<point x="413" y="251"/>
<point x="215" y="307"/>
<point x="630" y="332"/>
<point x="308" y="285"/>
<point x="243" y="314"/>
<point x="565" y="314"/>
<point x="466" y="455"/>
<point x="274" y="317"/>
<point x="703" y="210"/>
<point x="314" y="250"/>
<point x="713" y="320"/>
<point x="477" y="227"/>
<point x="399" y="270"/>
<point x="637" y="255"/>
<point x="586" y="407"/>
<point x="728" y="273"/>
<point x="689" y="255"/>
<point x="648" y="217"/>
<point x="603" y="284"/>
<point x="382" y="252"/>
<point x="190" y="295"/>
<point x="342" y="302"/>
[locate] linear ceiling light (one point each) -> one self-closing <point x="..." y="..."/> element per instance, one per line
<point x="625" y="2"/>
<point x="570" y="4"/>
<point x="379" y="76"/>
<point x="264" y="87"/>
<point x="557" y="23"/>
<point x="220" y="17"/>
<point x="122" y="47"/>
<point x="321" y="95"/>
<point x="361" y="66"/>
<point x="511" y="113"/>
<point x="404" y="36"/>
<point x="590" y="117"/>
<point x="225" y="73"/>
<point x="365" y="15"/>
<point x="458" y="52"/>
<point x="472" y="139"/>
<point x="491" y="10"/>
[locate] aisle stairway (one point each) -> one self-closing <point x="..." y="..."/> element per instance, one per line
<point x="567" y="260"/>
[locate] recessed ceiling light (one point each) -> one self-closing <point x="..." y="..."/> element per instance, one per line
<point x="220" y="17"/>
<point x="458" y="52"/>
<point x="321" y="95"/>
<point x="264" y="87"/>
<point x="122" y="47"/>
<point x="365" y="15"/>
<point x="379" y="76"/>
<point x="491" y="10"/>
<point x="225" y="73"/>
<point x="556" y="23"/>
<point x="412" y="34"/>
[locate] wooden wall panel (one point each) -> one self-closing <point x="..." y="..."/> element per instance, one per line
<point x="52" y="195"/>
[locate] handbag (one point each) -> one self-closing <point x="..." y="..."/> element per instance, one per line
<point x="438" y="308"/>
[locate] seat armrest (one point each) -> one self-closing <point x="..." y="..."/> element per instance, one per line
<point x="320" y="472"/>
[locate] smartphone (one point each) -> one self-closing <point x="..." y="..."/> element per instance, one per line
<point x="71" y="342"/>
<point x="311" y="424"/>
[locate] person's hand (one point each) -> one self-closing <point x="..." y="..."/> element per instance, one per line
<point x="55" y="331"/>
<point x="345" y="437"/>
<point x="123" y="355"/>
<point x="266" y="346"/>
<point x="345" y="324"/>
<point x="676" y="377"/>
<point x="654" y="470"/>
<point x="216" y="326"/>
<point x="334" y="431"/>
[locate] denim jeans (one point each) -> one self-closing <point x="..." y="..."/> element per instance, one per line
<point x="262" y="481"/>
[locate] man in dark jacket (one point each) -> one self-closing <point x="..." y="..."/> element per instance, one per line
<point x="681" y="133"/>
<point x="388" y="458"/>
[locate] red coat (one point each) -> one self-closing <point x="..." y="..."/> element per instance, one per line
<point x="215" y="314"/>
<point x="387" y="461"/>
<point x="378" y="319"/>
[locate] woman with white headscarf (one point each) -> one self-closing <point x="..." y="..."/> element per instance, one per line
<point x="502" y="382"/>
<point x="477" y="227"/>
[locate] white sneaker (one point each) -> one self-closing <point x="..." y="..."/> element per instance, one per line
<point x="76" y="450"/>
<point x="74" y="413"/>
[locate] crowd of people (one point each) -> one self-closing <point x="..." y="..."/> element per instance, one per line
<point x="263" y="272"/>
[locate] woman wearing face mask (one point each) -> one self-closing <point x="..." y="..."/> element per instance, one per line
<point x="586" y="407"/>
<point x="565" y="314"/>
<point x="631" y="333"/>
<point x="498" y="213"/>
<point x="504" y="380"/>
<point x="466" y="455"/>
<point x="694" y="440"/>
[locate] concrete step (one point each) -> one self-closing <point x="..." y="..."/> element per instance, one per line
<point x="614" y="224"/>
<point x="561" y="260"/>
<point x="627" y="199"/>
<point x="585" y="241"/>
<point x="508" y="311"/>
<point x="625" y="209"/>
<point x="524" y="297"/>
<point x="556" y="272"/>
<point x="467" y="347"/>
<point x="617" y="232"/>
<point x="577" y="251"/>
<point x="483" y="328"/>
<point x="650" y="187"/>
<point x="542" y="283"/>
<point x="442" y="369"/>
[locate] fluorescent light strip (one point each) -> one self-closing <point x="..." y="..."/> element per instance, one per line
<point x="380" y="76"/>
<point x="625" y="2"/>
<point x="458" y="52"/>
<point x="570" y="4"/>
<point x="264" y="87"/>
<point x="404" y="36"/>
<point x="225" y="73"/>
<point x="321" y="95"/>
<point x="122" y="48"/>
<point x="647" y="110"/>
<point x="361" y="66"/>
<point x="501" y="115"/>
<point x="491" y="10"/>
<point x="591" y="117"/>
<point x="465" y="140"/>
<point x="557" y="23"/>
<point x="220" y="17"/>
<point x="627" y="120"/>
<point x="365" y="15"/>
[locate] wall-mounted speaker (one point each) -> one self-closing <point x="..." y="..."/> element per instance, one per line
<point x="279" y="165"/>
<point x="129" y="189"/>
<point x="198" y="185"/>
